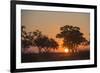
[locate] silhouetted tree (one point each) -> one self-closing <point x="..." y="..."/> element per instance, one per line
<point x="53" y="44"/>
<point x="24" y="40"/>
<point x="46" y="44"/>
<point x="27" y="38"/>
<point x="39" y="42"/>
<point x="36" y="38"/>
<point x="72" y="37"/>
<point x="85" y="44"/>
<point x="37" y="34"/>
<point x="50" y="44"/>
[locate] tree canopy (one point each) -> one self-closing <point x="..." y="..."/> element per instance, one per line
<point x="46" y="43"/>
<point x="72" y="36"/>
<point x="37" y="39"/>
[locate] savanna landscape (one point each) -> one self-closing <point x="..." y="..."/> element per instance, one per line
<point x="54" y="36"/>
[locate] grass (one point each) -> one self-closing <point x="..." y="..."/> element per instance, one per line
<point x="44" y="57"/>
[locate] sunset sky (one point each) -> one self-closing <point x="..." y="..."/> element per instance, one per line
<point x="49" y="22"/>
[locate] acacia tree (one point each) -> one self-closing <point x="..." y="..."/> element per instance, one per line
<point x="37" y="39"/>
<point x="53" y="44"/>
<point x="24" y="38"/>
<point x="72" y="37"/>
<point x="39" y="42"/>
<point x="46" y="44"/>
<point x="27" y="38"/>
<point x="50" y="44"/>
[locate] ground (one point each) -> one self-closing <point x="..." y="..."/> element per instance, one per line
<point x="44" y="57"/>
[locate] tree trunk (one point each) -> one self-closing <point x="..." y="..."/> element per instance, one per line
<point x="39" y="50"/>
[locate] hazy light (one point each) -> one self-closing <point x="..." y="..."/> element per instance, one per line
<point x="66" y="50"/>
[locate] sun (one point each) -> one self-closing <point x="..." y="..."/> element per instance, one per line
<point x="66" y="50"/>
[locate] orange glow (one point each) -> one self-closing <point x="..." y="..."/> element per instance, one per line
<point x="66" y="50"/>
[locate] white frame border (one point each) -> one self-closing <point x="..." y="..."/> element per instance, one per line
<point x="20" y="65"/>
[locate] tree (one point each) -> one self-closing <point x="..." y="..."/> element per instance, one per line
<point x="53" y="44"/>
<point x="72" y="37"/>
<point x="24" y="40"/>
<point x="37" y="34"/>
<point x="46" y="44"/>
<point x="37" y="39"/>
<point x="39" y="42"/>
<point x="85" y="44"/>
<point x="27" y="38"/>
<point x="50" y="44"/>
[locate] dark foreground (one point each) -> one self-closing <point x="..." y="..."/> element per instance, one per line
<point x="44" y="57"/>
